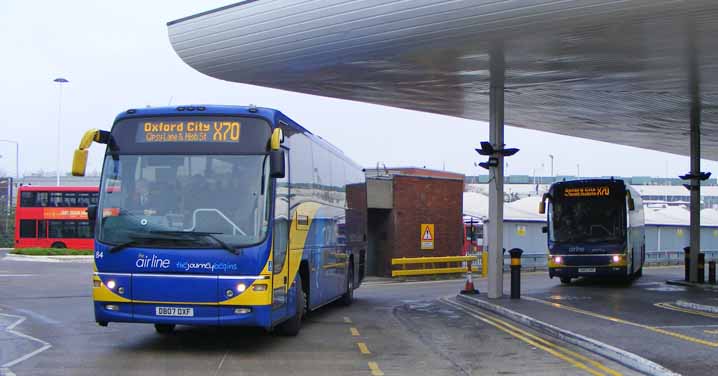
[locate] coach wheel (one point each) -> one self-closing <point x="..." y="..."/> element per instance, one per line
<point x="58" y="245"/>
<point x="164" y="328"/>
<point x="565" y="280"/>
<point x="348" y="296"/>
<point x="639" y="272"/>
<point x="291" y="327"/>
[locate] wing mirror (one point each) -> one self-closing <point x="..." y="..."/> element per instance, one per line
<point x="276" y="155"/>
<point x="631" y="203"/>
<point x="79" y="158"/>
<point x="542" y="204"/>
<point x="276" y="164"/>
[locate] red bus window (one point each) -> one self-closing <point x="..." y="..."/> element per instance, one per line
<point x="62" y="229"/>
<point x="83" y="230"/>
<point x="69" y="199"/>
<point x="28" y="228"/>
<point x="42" y="229"/>
<point x="55" y="199"/>
<point x="27" y="199"/>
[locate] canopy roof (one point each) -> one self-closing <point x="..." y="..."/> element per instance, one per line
<point x="610" y="70"/>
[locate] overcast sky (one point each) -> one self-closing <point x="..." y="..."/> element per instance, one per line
<point x="117" y="55"/>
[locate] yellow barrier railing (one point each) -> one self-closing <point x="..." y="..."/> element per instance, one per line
<point x="424" y="261"/>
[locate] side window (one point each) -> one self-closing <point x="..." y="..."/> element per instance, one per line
<point x="56" y="199"/>
<point x="42" y="199"/>
<point x="42" y="229"/>
<point x="28" y="228"/>
<point x="27" y="199"/>
<point x="55" y="229"/>
<point x="280" y="231"/>
<point x="83" y="230"/>
<point x="69" y="199"/>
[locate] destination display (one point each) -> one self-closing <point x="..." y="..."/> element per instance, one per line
<point x="600" y="191"/>
<point x="195" y="130"/>
<point x="64" y="213"/>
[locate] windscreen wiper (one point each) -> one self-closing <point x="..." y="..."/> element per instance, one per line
<point x="124" y="245"/>
<point x="210" y="235"/>
<point x="136" y="241"/>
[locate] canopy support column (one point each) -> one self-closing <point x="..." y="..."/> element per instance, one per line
<point x="695" y="155"/>
<point x="695" y="188"/>
<point x="496" y="180"/>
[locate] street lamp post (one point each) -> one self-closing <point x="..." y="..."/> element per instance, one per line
<point x="17" y="157"/>
<point x="59" y="82"/>
<point x="551" y="156"/>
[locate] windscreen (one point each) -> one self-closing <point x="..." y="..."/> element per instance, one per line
<point x="190" y="201"/>
<point x="588" y="214"/>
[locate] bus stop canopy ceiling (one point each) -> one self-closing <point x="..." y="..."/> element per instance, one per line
<point x="609" y="70"/>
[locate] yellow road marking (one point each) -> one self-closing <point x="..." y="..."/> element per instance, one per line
<point x="375" y="371"/>
<point x="354" y="331"/>
<point x="686" y="310"/>
<point x="626" y="322"/>
<point x="551" y="344"/>
<point x="347" y="320"/>
<point x="362" y="348"/>
<point x="538" y="342"/>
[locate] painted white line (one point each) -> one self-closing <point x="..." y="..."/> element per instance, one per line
<point x="221" y="362"/>
<point x="38" y="316"/>
<point x="686" y="326"/>
<point x="6" y="372"/>
<point x="11" y="329"/>
<point x="697" y="307"/>
<point x="16" y="275"/>
<point x="69" y="259"/>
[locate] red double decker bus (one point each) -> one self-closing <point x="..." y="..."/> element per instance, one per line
<point x="54" y="217"/>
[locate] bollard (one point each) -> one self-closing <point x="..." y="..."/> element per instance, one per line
<point x="515" y="272"/>
<point x="712" y="272"/>
<point x="687" y="262"/>
<point x="701" y="267"/>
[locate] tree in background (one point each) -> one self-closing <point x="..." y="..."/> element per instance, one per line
<point x="7" y="226"/>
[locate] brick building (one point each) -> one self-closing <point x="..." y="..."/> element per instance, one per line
<point x="399" y="201"/>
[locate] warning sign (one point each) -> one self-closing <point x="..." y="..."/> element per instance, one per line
<point x="427" y="236"/>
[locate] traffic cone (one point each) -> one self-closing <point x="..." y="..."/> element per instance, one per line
<point x="469" y="285"/>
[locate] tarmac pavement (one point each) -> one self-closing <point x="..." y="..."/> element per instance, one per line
<point x="47" y="328"/>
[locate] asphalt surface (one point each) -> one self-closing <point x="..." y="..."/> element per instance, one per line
<point x="47" y="328"/>
<point x="642" y="317"/>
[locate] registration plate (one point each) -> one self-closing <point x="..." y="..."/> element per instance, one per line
<point x="174" y="311"/>
<point x="586" y="270"/>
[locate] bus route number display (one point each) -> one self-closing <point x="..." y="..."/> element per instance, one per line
<point x="587" y="192"/>
<point x="188" y="131"/>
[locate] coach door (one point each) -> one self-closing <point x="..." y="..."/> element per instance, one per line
<point x="280" y="243"/>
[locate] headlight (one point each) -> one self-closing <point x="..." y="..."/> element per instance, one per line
<point x="616" y="259"/>
<point x="111" y="284"/>
<point x="558" y="259"/>
<point x="241" y="287"/>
